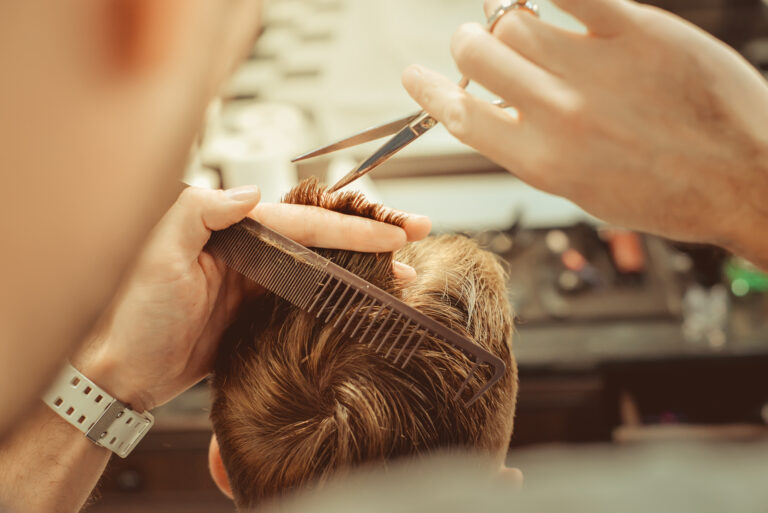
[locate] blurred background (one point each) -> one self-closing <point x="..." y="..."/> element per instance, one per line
<point x="623" y="339"/>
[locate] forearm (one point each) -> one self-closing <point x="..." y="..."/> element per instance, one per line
<point x="48" y="466"/>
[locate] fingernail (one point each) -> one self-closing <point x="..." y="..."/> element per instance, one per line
<point x="245" y="194"/>
<point x="403" y="271"/>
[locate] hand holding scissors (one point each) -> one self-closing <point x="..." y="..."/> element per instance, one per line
<point x="646" y="121"/>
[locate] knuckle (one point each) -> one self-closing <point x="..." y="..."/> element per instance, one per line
<point x="175" y="270"/>
<point x="570" y="106"/>
<point x="464" y="45"/>
<point x="457" y="116"/>
<point x="308" y="234"/>
<point x="511" y="27"/>
<point x="191" y="196"/>
<point x="423" y="93"/>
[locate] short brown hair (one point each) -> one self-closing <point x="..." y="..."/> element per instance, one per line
<point x="295" y="401"/>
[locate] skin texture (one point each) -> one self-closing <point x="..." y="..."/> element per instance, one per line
<point x="161" y="332"/>
<point x="645" y="121"/>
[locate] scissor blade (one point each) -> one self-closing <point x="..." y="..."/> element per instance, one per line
<point x="403" y="138"/>
<point x="369" y="134"/>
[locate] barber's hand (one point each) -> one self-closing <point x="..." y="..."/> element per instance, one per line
<point x="161" y="334"/>
<point x="646" y="121"/>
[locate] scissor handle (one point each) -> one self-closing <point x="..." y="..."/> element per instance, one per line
<point x="422" y="124"/>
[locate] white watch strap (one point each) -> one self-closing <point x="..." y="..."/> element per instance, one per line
<point x="104" y="420"/>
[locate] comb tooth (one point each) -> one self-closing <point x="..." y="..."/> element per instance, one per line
<point x="287" y="281"/>
<point x="407" y="341"/>
<point x="346" y="308"/>
<point x="249" y="252"/>
<point x="319" y="295"/>
<point x="353" y="314"/>
<point x="466" y="381"/>
<point x="482" y="390"/>
<point x="389" y="333"/>
<point x="297" y="282"/>
<point x="338" y="302"/>
<point x="418" y="344"/>
<point x="375" y="318"/>
<point x="312" y="289"/>
<point x="252" y="253"/>
<point x="402" y="332"/>
<point x="328" y="300"/>
<point x="243" y="249"/>
<point x="297" y="292"/>
<point x="381" y="327"/>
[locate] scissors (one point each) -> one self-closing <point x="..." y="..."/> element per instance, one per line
<point x="409" y="128"/>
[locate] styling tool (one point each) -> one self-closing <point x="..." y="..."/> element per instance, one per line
<point x="408" y="128"/>
<point x="342" y="299"/>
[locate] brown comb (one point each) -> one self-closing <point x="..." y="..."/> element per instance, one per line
<point x="338" y="297"/>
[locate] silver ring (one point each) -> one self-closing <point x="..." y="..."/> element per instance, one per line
<point x="511" y="5"/>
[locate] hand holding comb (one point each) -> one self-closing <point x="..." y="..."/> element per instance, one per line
<point x="337" y="297"/>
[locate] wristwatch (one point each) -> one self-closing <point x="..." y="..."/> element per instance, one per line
<point x="104" y="420"/>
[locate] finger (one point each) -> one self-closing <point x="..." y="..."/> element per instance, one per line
<point x="320" y="228"/>
<point x="603" y="18"/>
<point x="490" y="6"/>
<point x="484" y="59"/>
<point x="488" y="129"/>
<point x="189" y="222"/>
<point x="547" y="46"/>
<point x="403" y="272"/>
<point x="416" y="227"/>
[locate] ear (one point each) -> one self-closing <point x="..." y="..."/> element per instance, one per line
<point x="511" y="476"/>
<point x="216" y="467"/>
<point x="145" y="34"/>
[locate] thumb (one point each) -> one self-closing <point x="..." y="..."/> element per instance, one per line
<point x="198" y="212"/>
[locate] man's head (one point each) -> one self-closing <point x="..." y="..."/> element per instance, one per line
<point x="100" y="102"/>
<point x="295" y="401"/>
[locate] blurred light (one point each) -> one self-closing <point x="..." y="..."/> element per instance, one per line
<point x="557" y="241"/>
<point x="740" y="287"/>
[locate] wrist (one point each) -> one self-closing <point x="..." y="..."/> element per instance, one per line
<point x="114" y="377"/>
